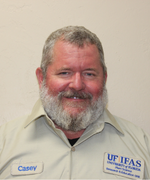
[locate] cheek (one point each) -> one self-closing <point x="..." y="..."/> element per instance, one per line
<point x="95" y="90"/>
<point x="55" y="86"/>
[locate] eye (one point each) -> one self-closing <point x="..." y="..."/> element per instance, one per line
<point x="64" y="73"/>
<point x="90" y="74"/>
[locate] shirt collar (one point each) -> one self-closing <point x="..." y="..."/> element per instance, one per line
<point x="38" y="111"/>
<point x="110" y="119"/>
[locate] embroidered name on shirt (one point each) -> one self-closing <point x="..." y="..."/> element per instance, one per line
<point x="26" y="168"/>
<point x="123" y="165"/>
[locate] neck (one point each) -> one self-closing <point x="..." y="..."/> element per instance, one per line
<point x="71" y="134"/>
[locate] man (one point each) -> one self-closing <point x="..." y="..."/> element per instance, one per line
<point x="70" y="134"/>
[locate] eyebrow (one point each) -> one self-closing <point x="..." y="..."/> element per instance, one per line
<point x="91" y="69"/>
<point x="62" y="69"/>
<point x="88" y="69"/>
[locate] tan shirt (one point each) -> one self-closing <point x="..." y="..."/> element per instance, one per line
<point x="32" y="148"/>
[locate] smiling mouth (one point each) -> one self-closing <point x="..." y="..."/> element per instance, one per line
<point x="75" y="95"/>
<point x="76" y="98"/>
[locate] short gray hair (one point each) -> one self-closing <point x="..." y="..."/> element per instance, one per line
<point x="77" y="35"/>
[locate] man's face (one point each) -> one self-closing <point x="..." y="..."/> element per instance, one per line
<point x="73" y="92"/>
<point x="75" y="70"/>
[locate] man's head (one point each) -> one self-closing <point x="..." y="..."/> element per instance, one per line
<point x="72" y="78"/>
<point x="76" y="35"/>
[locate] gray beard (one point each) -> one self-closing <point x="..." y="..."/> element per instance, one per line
<point x="54" y="109"/>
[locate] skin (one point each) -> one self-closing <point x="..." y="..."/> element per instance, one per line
<point x="77" y="69"/>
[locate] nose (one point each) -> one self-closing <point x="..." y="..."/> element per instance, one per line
<point x="77" y="82"/>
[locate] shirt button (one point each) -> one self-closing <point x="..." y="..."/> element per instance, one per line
<point x="73" y="149"/>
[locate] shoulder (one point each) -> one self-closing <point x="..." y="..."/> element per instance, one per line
<point x="131" y="133"/>
<point x="134" y="132"/>
<point x="129" y="127"/>
<point x="122" y="125"/>
<point x="9" y="129"/>
<point x="20" y="123"/>
<point x="14" y="124"/>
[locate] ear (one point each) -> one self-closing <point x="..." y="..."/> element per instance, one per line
<point x="39" y="76"/>
<point x="105" y="77"/>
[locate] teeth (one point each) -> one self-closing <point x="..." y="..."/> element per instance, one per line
<point x="75" y="98"/>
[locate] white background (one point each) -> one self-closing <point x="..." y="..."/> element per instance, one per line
<point x="123" y="27"/>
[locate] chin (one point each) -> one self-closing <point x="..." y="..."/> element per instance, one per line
<point x="74" y="111"/>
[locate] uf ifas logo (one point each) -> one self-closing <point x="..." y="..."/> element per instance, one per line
<point x="124" y="160"/>
<point x="123" y="165"/>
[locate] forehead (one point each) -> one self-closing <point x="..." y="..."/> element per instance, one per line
<point x="65" y="50"/>
<point x="76" y="59"/>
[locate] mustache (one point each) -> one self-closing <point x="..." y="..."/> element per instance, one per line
<point x="71" y="94"/>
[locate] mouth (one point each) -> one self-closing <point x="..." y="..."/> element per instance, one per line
<point x="75" y="101"/>
<point x="75" y="95"/>
<point x="75" y="98"/>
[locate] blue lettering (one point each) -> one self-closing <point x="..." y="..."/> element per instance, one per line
<point x="34" y="167"/>
<point x="138" y="163"/>
<point x="121" y="159"/>
<point x="23" y="168"/>
<point x="111" y="156"/>
<point x="126" y="160"/>
<point x="19" y="168"/>
<point x="137" y="176"/>
<point x="28" y="168"/>
<point x="132" y="162"/>
<point x="31" y="168"/>
<point x="115" y="157"/>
